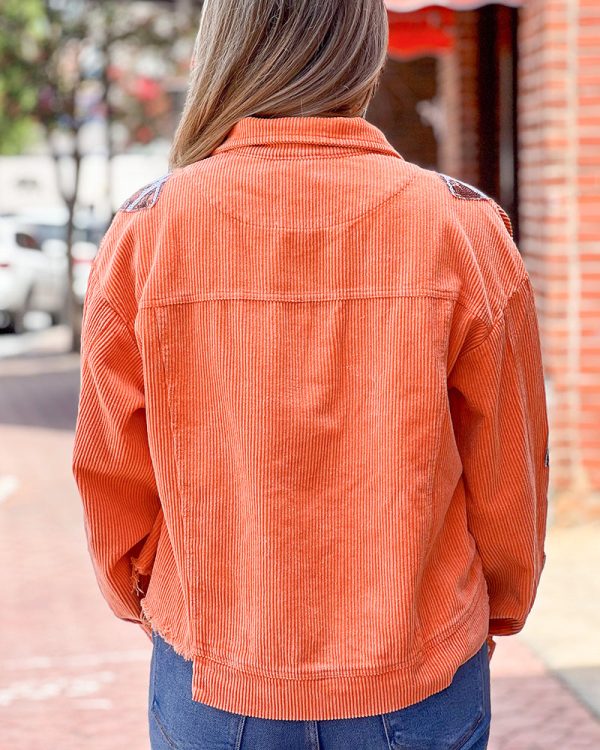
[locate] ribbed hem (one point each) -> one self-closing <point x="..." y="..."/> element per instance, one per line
<point x="344" y="697"/>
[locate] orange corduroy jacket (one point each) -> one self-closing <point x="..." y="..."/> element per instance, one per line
<point x="312" y="438"/>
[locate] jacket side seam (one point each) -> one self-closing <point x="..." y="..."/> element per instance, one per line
<point x="104" y="298"/>
<point x="441" y="363"/>
<point x="177" y="456"/>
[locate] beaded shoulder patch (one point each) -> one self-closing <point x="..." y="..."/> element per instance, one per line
<point x="467" y="192"/>
<point x="463" y="190"/>
<point x="145" y="197"/>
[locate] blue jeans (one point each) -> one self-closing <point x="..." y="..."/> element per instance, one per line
<point x="456" y="718"/>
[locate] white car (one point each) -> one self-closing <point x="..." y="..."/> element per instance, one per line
<point x="47" y="229"/>
<point x="30" y="279"/>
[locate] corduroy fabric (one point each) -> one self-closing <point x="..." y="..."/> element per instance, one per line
<point x="312" y="437"/>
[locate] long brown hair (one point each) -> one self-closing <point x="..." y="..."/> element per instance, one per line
<point x="275" y="58"/>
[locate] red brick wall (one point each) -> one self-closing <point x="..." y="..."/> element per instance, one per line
<point x="588" y="83"/>
<point x="559" y="138"/>
<point x="559" y="181"/>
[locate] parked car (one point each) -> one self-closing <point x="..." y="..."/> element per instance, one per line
<point x="30" y="279"/>
<point x="51" y="223"/>
<point x="47" y="291"/>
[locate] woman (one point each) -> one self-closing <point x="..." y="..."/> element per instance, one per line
<point x="312" y="435"/>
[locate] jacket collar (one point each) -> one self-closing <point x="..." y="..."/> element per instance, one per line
<point x="305" y="137"/>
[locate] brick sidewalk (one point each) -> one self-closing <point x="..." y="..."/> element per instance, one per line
<point x="533" y="710"/>
<point x="73" y="677"/>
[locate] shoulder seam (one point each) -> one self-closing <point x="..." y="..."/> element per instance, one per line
<point x="525" y="280"/>
<point x="103" y="297"/>
<point x="504" y="216"/>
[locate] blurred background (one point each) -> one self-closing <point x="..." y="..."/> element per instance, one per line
<point x="504" y="96"/>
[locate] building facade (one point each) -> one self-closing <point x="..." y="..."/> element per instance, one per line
<point x="514" y="108"/>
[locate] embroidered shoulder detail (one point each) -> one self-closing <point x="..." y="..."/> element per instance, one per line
<point x="146" y="197"/>
<point x="467" y="192"/>
<point x="464" y="190"/>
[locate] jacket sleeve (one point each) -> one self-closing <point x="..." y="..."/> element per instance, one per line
<point x="111" y="461"/>
<point x="498" y="403"/>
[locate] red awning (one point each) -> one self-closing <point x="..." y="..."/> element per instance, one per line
<point x="418" y="29"/>
<point x="421" y="33"/>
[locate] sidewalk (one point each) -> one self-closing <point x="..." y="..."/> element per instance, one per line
<point x="72" y="676"/>
<point x="546" y="680"/>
